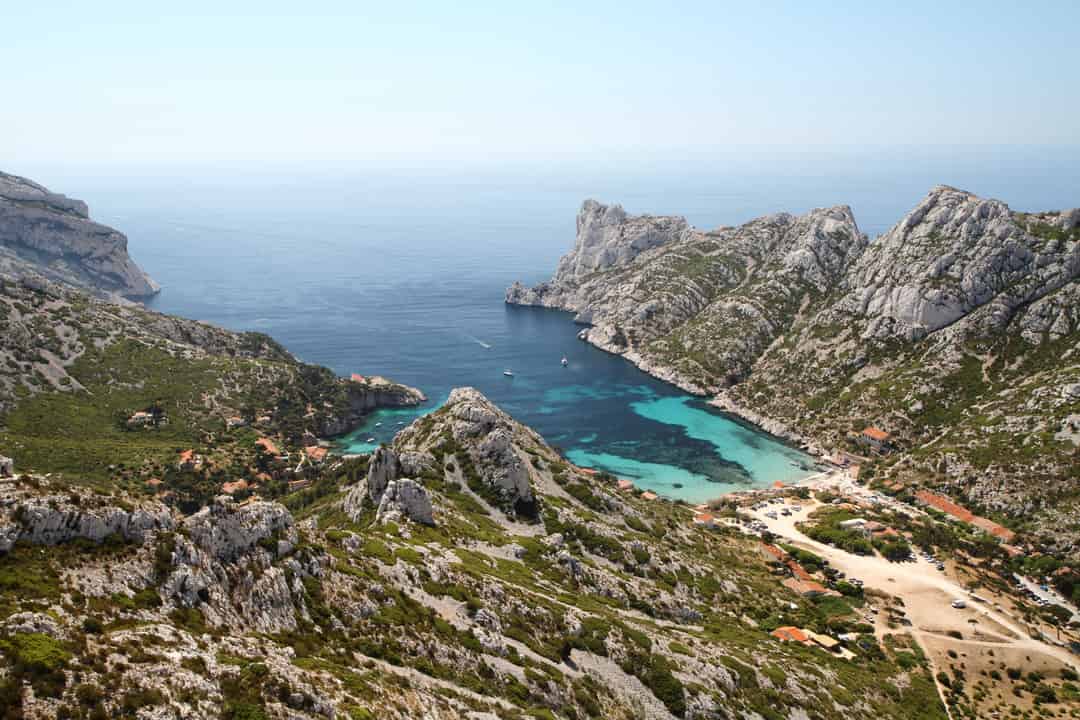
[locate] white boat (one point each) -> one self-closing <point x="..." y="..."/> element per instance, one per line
<point x="378" y="424"/>
<point x="508" y="372"/>
<point x="371" y="440"/>
<point x="565" y="362"/>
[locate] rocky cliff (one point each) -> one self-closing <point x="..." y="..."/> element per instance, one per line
<point x="46" y="234"/>
<point x="362" y="395"/>
<point x="697" y="308"/>
<point x="956" y="330"/>
<point x="467" y="572"/>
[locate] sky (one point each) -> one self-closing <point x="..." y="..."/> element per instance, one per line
<point x="336" y="84"/>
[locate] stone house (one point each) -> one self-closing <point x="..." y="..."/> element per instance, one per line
<point x="875" y="439"/>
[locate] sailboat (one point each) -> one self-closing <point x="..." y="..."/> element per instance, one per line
<point x="508" y="372"/>
<point x="565" y="362"/>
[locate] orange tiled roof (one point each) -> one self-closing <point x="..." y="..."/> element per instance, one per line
<point x="876" y="434"/>
<point x="316" y="453"/>
<point x="945" y="505"/>
<point x="230" y="487"/>
<point x="648" y="495"/>
<point x="805" y="587"/>
<point x="789" y="633"/>
<point x="798" y="570"/>
<point x="703" y="517"/>
<point x="356" y="377"/>
<point x="268" y="445"/>
<point x="998" y="531"/>
<point x="624" y="485"/>
<point x="186" y="456"/>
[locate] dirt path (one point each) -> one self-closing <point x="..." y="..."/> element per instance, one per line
<point x="926" y="592"/>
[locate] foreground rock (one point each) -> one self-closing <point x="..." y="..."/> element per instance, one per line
<point x="386" y="490"/>
<point x="57" y="516"/>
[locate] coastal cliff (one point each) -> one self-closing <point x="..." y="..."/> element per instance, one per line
<point x="45" y="234"/>
<point x="956" y="331"/>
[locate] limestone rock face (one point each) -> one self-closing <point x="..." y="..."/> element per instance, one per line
<point x="364" y="395"/>
<point x="44" y="233"/>
<point x="607" y="237"/>
<point x="952" y="255"/>
<point x="57" y="518"/>
<point x="224" y="529"/>
<point x="954" y="329"/>
<point x="383" y="468"/>
<point x="392" y="496"/>
<point x="493" y="441"/>
<point x="224" y="565"/>
<point x="405" y="498"/>
<point x="723" y="296"/>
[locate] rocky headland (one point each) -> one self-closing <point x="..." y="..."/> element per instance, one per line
<point x="47" y="235"/>
<point x="955" y="331"/>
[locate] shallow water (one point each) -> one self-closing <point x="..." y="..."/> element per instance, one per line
<point x="403" y="275"/>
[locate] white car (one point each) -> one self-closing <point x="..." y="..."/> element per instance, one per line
<point x="959" y="604"/>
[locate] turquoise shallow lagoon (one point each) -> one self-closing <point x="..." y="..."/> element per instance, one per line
<point x="600" y="411"/>
<point x="403" y="272"/>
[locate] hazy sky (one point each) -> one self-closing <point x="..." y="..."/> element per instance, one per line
<point x="334" y="83"/>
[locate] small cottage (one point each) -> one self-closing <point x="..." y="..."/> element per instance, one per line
<point x="874" y="438"/>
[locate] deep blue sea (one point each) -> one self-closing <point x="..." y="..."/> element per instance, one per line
<point x="402" y="273"/>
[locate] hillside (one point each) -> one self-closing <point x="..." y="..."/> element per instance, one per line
<point x="466" y="571"/>
<point x="109" y="394"/>
<point x="955" y="332"/>
<point x="47" y="235"/>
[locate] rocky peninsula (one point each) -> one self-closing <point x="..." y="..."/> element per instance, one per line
<point x="955" y="332"/>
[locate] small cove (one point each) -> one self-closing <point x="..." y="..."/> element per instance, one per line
<point x="403" y="275"/>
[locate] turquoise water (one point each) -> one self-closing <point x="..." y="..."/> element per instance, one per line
<point x="603" y="413"/>
<point x="402" y="274"/>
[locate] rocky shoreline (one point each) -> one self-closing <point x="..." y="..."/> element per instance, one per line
<point x="602" y="341"/>
<point x="366" y="395"/>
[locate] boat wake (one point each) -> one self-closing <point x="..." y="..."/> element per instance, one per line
<point x="479" y="342"/>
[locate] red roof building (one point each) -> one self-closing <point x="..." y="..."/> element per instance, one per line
<point x="959" y="512"/>
<point x="704" y="518"/>
<point x="807" y="588"/>
<point x="233" y="487"/>
<point x="790" y="634"/>
<point x="315" y="453"/>
<point x="875" y="434"/>
<point x="798" y="570"/>
<point x="268" y="446"/>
